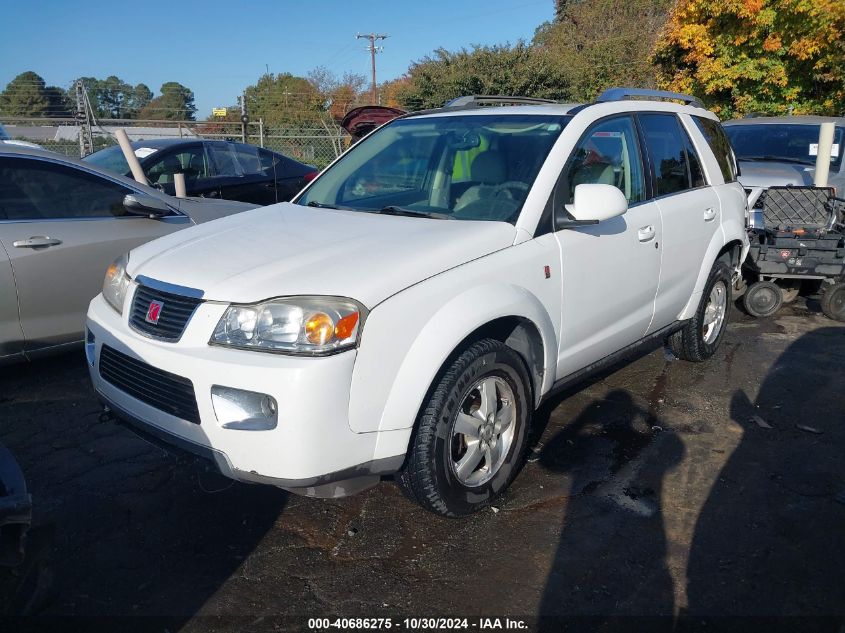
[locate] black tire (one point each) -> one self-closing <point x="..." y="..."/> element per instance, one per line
<point x="833" y="302"/>
<point x="429" y="477"/>
<point x="762" y="299"/>
<point x="689" y="343"/>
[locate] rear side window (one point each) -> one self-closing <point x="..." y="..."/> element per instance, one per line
<point x="676" y="165"/>
<point x="720" y="145"/>
<point x="39" y="190"/>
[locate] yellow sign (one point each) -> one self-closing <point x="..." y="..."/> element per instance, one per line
<point x="219" y="111"/>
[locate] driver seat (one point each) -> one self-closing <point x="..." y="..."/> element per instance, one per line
<point x="489" y="170"/>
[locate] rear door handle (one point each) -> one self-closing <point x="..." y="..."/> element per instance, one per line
<point x="646" y="233"/>
<point x="37" y="241"/>
<point x="709" y="214"/>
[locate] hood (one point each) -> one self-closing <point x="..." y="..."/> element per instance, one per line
<point x="206" y="209"/>
<point x="771" y="174"/>
<point x="361" y="121"/>
<point x="287" y="249"/>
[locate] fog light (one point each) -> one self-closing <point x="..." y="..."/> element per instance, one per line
<point x="244" y="410"/>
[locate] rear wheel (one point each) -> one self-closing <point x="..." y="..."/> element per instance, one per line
<point x="762" y="299"/>
<point x="471" y="433"/>
<point x="833" y="302"/>
<point x="699" y="339"/>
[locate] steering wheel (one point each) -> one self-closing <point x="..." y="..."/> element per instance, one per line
<point x="508" y="186"/>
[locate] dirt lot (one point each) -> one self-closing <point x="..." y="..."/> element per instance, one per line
<point x="655" y="490"/>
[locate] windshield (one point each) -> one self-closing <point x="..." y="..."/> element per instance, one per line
<point x="110" y="158"/>
<point x="470" y="167"/>
<point x="785" y="142"/>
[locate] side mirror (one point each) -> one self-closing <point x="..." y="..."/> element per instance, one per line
<point x="143" y="204"/>
<point x="593" y="203"/>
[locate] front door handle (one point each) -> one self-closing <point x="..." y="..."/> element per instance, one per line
<point x="709" y="214"/>
<point x="37" y="241"/>
<point x="646" y="233"/>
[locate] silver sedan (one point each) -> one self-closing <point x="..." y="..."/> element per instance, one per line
<point x="62" y="222"/>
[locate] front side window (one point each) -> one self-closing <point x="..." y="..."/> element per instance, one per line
<point x="608" y="154"/>
<point x="676" y="167"/>
<point x="466" y="167"/>
<point x="41" y="190"/>
<point x="719" y="144"/>
<point x="783" y="142"/>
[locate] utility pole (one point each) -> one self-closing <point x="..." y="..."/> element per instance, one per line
<point x="373" y="49"/>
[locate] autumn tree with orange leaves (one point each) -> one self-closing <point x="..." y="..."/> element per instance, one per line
<point x="762" y="56"/>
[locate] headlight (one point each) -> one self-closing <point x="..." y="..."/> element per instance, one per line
<point x="116" y="283"/>
<point x="294" y="325"/>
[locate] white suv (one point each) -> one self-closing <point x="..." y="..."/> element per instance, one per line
<point x="414" y="305"/>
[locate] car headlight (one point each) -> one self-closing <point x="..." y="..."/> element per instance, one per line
<point x="292" y="325"/>
<point x="116" y="283"/>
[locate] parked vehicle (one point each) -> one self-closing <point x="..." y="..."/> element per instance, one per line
<point x="61" y="223"/>
<point x="5" y="139"/>
<point x="359" y="122"/>
<point x="802" y="240"/>
<point x="781" y="152"/>
<point x="411" y="308"/>
<point x="213" y="169"/>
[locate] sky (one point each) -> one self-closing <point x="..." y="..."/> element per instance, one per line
<point x="218" y="48"/>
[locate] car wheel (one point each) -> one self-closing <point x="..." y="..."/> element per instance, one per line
<point x="701" y="335"/>
<point x="762" y="299"/>
<point x="471" y="433"/>
<point x="833" y="302"/>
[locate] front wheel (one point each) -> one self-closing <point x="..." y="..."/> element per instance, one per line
<point x="471" y="433"/>
<point x="699" y="339"/>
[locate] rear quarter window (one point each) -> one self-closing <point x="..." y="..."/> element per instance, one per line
<point x="719" y="144"/>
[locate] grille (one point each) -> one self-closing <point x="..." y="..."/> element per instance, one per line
<point x="175" y="312"/>
<point x="789" y="207"/>
<point x="158" y="388"/>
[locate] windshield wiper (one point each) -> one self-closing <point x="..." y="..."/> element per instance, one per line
<point x="776" y="159"/>
<point x="393" y="210"/>
<point x="320" y="205"/>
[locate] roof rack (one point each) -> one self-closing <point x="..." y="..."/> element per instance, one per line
<point x="478" y="101"/>
<point x="619" y="94"/>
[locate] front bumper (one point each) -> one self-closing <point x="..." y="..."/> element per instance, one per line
<point x="312" y="450"/>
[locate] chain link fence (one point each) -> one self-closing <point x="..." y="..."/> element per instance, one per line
<point x="317" y="144"/>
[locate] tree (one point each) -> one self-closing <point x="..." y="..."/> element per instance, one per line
<point x="340" y="94"/>
<point x="113" y="98"/>
<point x="516" y="70"/>
<point x="767" y="56"/>
<point x="284" y="98"/>
<point x="26" y="95"/>
<point x="598" y="44"/>
<point x="176" y="103"/>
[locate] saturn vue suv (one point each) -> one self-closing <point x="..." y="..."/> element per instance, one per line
<point x="408" y="311"/>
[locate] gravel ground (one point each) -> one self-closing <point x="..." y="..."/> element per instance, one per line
<point x="656" y="490"/>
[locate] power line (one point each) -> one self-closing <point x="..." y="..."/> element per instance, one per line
<point x="373" y="49"/>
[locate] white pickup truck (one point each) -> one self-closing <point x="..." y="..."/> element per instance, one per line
<point x="407" y="313"/>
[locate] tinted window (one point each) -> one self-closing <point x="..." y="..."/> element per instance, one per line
<point x="190" y="161"/>
<point x="34" y="189"/>
<point x="224" y="160"/>
<point x="674" y="168"/>
<point x="719" y="145"/>
<point x="696" y="173"/>
<point x="786" y="142"/>
<point x="608" y="154"/>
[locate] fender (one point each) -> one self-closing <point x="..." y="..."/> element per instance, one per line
<point x="730" y="230"/>
<point x="393" y="374"/>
